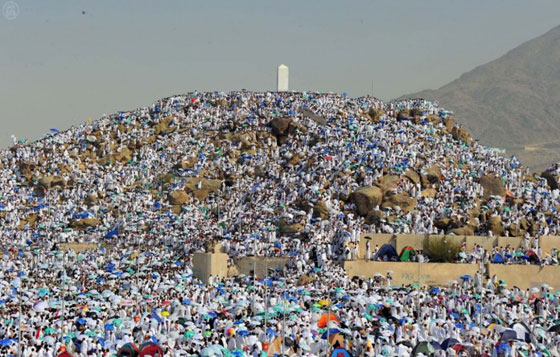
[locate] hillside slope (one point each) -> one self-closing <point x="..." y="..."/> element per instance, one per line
<point x="512" y="102"/>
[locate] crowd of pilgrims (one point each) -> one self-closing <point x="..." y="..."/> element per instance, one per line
<point x="263" y="174"/>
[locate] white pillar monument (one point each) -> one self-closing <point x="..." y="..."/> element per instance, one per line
<point x="282" y="79"/>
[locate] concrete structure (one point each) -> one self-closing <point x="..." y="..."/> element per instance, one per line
<point x="431" y="274"/>
<point x="439" y="274"/>
<point x="282" y="78"/>
<point x="246" y="265"/>
<point x="209" y="264"/>
<point x="419" y="241"/>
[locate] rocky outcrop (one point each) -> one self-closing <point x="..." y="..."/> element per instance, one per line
<point x="492" y="185"/>
<point x="178" y="198"/>
<point x="366" y="198"/>
<point x="401" y="200"/>
<point x="201" y="187"/>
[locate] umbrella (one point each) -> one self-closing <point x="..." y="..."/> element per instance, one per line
<point x="466" y="277"/>
<point x="326" y="318"/>
<point x="555" y="328"/>
<point x="423" y="347"/>
<point x="508" y="335"/>
<point x="449" y="342"/>
<point x="340" y="352"/>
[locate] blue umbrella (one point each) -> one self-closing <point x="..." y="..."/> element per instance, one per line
<point x="330" y="332"/>
<point x="466" y="277"/>
<point x="340" y="352"/>
<point x="449" y="342"/>
<point x="508" y="335"/>
<point x="109" y="327"/>
<point x="55" y="130"/>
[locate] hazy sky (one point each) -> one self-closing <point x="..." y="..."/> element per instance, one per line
<point x="58" y="66"/>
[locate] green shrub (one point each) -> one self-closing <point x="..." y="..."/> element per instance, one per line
<point x="441" y="250"/>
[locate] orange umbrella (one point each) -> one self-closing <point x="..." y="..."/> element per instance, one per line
<point x="324" y="320"/>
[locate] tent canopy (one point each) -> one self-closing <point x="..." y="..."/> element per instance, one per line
<point x="498" y="259"/>
<point x="407" y="253"/>
<point x="387" y="252"/>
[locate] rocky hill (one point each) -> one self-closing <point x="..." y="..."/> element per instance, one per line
<point x="512" y="102"/>
<point x="269" y="167"/>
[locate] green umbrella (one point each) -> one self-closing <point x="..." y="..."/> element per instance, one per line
<point x="423" y="347"/>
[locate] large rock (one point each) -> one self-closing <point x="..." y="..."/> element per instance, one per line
<point x="492" y="185"/>
<point x="431" y="176"/>
<point x="429" y="193"/>
<point x="289" y="228"/>
<point x="91" y="199"/>
<point x="316" y="118"/>
<point x="281" y="126"/>
<point x="412" y="176"/>
<point x="320" y="210"/>
<point x="442" y="223"/>
<point x="448" y="123"/>
<point x="551" y="178"/>
<point x="402" y="200"/>
<point x="463" y="231"/>
<point x="495" y="224"/>
<point x="201" y="187"/>
<point x="85" y="223"/>
<point x="186" y="163"/>
<point x="461" y="134"/>
<point x="387" y="183"/>
<point x="366" y="198"/>
<point x="28" y="169"/>
<point x="178" y="197"/>
<point x="52" y="181"/>
<point x="375" y="114"/>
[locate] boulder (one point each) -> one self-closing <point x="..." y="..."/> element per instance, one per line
<point x="316" y="118"/>
<point x="30" y="220"/>
<point x="492" y="185"/>
<point x="91" y="199"/>
<point x="186" y="163"/>
<point x="28" y="169"/>
<point x="178" y="198"/>
<point x="429" y="193"/>
<point x="463" y="231"/>
<point x="289" y="228"/>
<point x="515" y="230"/>
<point x="495" y="224"/>
<point x="320" y="210"/>
<point x="281" y="126"/>
<point x="404" y="115"/>
<point x="201" y="187"/>
<point x="403" y="200"/>
<point x="295" y="159"/>
<point x="375" y="114"/>
<point x="85" y="223"/>
<point x="461" y="134"/>
<point x="431" y="176"/>
<point x="412" y="176"/>
<point x="442" y="223"/>
<point x="374" y="217"/>
<point x="449" y="123"/>
<point x="551" y="179"/>
<point x="366" y="198"/>
<point x="387" y="183"/>
<point x="52" y="181"/>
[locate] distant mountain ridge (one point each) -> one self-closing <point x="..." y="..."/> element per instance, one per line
<point x="512" y="102"/>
